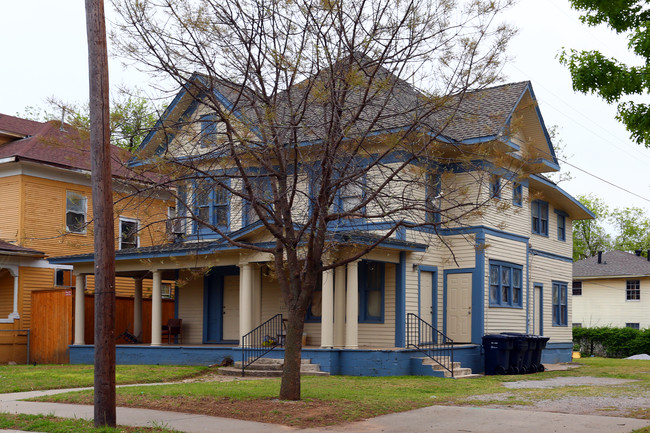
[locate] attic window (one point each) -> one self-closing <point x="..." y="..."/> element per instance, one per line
<point x="75" y="212"/>
<point x="211" y="130"/>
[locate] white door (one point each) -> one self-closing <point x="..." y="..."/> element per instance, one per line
<point x="459" y="307"/>
<point x="537" y="310"/>
<point x="231" y="308"/>
<point x="426" y="298"/>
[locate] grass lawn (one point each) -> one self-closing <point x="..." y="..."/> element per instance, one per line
<point x="51" y="424"/>
<point x="18" y="378"/>
<point x="337" y="399"/>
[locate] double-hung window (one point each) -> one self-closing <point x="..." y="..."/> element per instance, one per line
<point x="633" y="290"/>
<point x="211" y="206"/>
<point x="350" y="197"/>
<point x="561" y="227"/>
<point x="517" y="194"/>
<point x="128" y="233"/>
<point x="76" y="206"/>
<point x="371" y="292"/>
<point x="210" y="130"/>
<point x="539" y="214"/>
<point x="432" y="198"/>
<point x="495" y="186"/>
<point x="576" y="290"/>
<point x="505" y="284"/>
<point x="262" y="194"/>
<point x="560" y="305"/>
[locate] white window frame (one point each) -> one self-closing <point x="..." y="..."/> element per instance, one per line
<point x="137" y="230"/>
<point x="84" y="200"/>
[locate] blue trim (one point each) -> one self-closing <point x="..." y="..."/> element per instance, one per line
<point x="541" y="206"/>
<point x="561" y="228"/>
<point x="550" y="255"/>
<point x="527" y="287"/>
<point x="478" y="291"/>
<point x="434" y="292"/>
<point x="541" y="306"/>
<point x="485" y="231"/>
<point x="499" y="302"/>
<point x="213" y="285"/>
<point x="400" y="301"/>
<point x="558" y="319"/>
<point x="564" y="193"/>
<point x="517" y="194"/>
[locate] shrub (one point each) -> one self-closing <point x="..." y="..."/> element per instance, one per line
<point x="611" y="342"/>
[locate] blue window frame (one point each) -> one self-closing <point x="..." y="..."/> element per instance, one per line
<point x="539" y="216"/>
<point x="350" y="196"/>
<point x="505" y="284"/>
<point x="209" y="130"/>
<point x="495" y="186"/>
<point x="432" y="198"/>
<point x="371" y="292"/>
<point x="561" y="227"/>
<point x="211" y="206"/>
<point x="560" y="308"/>
<point x="517" y="194"/>
<point x="262" y="192"/>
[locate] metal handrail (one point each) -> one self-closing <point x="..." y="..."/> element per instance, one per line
<point x="261" y="341"/>
<point x="18" y="331"/>
<point x="428" y="340"/>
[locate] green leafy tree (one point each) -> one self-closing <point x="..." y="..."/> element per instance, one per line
<point x="632" y="229"/>
<point x="612" y="80"/>
<point x="590" y="236"/>
<point x="132" y="116"/>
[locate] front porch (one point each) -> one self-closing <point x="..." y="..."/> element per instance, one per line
<point x="389" y="361"/>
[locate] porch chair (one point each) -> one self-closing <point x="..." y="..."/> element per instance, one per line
<point x="173" y="328"/>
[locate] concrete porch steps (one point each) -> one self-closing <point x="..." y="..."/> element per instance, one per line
<point x="459" y="371"/>
<point x="272" y="367"/>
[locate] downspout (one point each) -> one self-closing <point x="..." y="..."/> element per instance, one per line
<point x="528" y="286"/>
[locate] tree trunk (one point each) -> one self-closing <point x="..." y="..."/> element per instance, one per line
<point x="102" y="194"/>
<point x="290" y="387"/>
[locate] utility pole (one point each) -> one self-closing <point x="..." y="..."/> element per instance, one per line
<point x="102" y="194"/>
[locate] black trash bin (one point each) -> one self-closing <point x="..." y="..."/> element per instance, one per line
<point x="519" y="362"/>
<point x="537" y="353"/>
<point x="497" y="350"/>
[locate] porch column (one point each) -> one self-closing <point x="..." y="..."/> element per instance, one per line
<point x="156" y="309"/>
<point x="245" y="300"/>
<point x="327" y="310"/>
<point x="13" y="270"/>
<point x="352" y="307"/>
<point x="339" y="306"/>
<point x="137" y="308"/>
<point x="79" y="309"/>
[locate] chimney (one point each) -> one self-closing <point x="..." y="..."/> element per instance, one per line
<point x="600" y="257"/>
<point x="638" y="253"/>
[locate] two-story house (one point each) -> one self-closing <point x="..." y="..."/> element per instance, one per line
<point x="46" y="210"/>
<point x="504" y="267"/>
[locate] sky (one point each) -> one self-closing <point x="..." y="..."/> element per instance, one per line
<point x="44" y="54"/>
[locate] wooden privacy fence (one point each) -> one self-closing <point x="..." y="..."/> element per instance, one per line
<point x="53" y="322"/>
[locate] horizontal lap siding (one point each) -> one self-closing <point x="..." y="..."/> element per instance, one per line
<point x="502" y="319"/>
<point x="603" y="303"/>
<point x="10" y="198"/>
<point x="190" y="308"/>
<point x="31" y="279"/>
<point x="545" y="271"/>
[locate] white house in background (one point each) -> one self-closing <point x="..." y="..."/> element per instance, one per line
<point x="612" y="289"/>
<point x="509" y="268"/>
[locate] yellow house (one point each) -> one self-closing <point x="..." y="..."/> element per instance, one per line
<point x="506" y="267"/>
<point x="46" y="210"/>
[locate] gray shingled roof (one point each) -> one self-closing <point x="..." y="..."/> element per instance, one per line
<point x="614" y="263"/>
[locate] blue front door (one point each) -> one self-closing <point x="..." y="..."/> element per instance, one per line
<point x="213" y="304"/>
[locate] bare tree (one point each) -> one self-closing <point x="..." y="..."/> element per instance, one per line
<point x="323" y="122"/>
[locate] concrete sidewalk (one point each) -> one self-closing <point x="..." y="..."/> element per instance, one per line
<point x="426" y="420"/>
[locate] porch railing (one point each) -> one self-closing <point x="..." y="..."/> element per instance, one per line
<point x="428" y="340"/>
<point x="261" y="341"/>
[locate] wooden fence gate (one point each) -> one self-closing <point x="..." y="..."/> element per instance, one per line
<point x="52" y="326"/>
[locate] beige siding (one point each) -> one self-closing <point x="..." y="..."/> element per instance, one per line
<point x="603" y="303"/>
<point x="10" y="199"/>
<point x="544" y="270"/>
<point x="190" y="309"/>
<point x="504" y="319"/>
